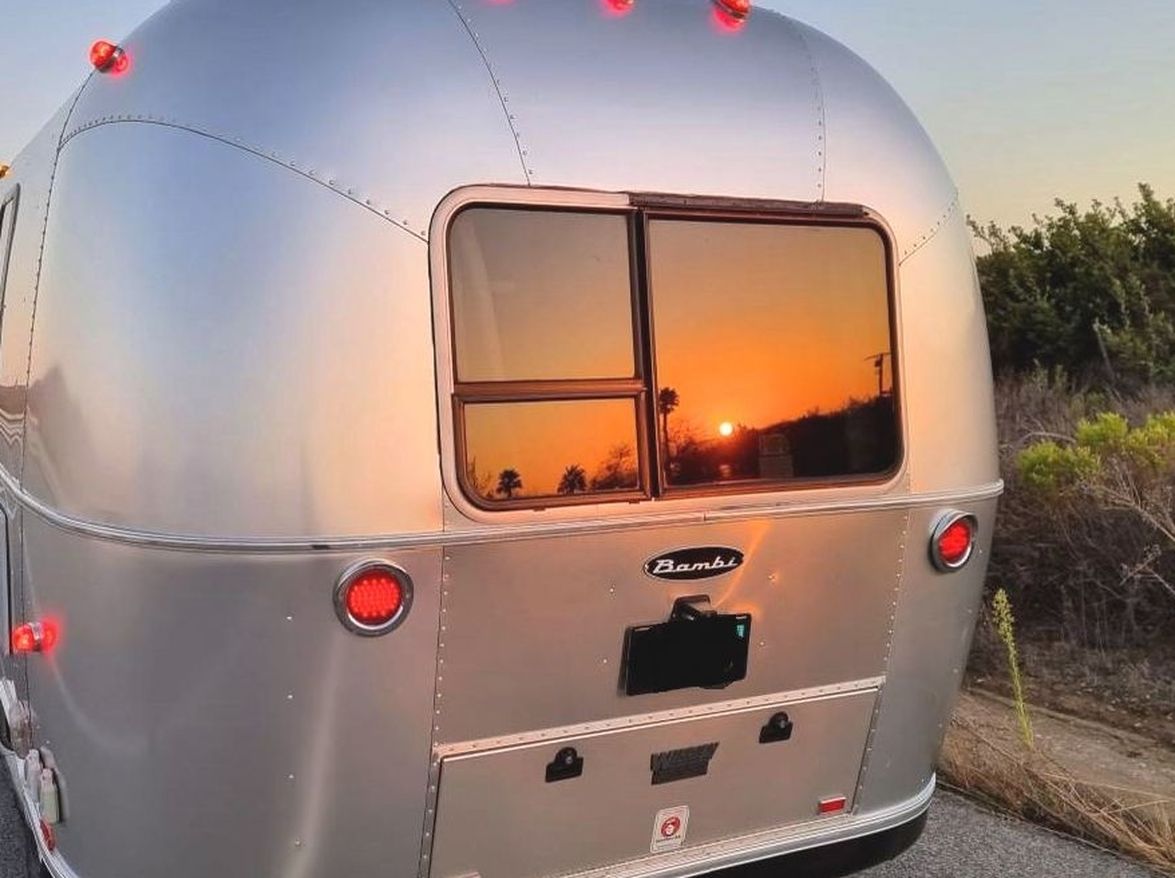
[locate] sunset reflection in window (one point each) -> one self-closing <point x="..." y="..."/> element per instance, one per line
<point x="551" y="449"/>
<point x="769" y="360"/>
<point x="774" y="343"/>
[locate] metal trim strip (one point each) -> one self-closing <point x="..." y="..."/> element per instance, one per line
<point x="302" y="169"/>
<point x="639" y="721"/>
<point x="482" y="534"/>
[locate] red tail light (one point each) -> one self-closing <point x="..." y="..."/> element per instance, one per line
<point x="373" y="597"/>
<point x="953" y="541"/>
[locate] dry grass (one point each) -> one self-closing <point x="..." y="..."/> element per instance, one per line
<point x="1031" y="785"/>
<point x="1081" y="567"/>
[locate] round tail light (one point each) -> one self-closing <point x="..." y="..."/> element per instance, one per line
<point x="953" y="541"/>
<point x="373" y="597"/>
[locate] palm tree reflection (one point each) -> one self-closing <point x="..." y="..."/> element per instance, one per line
<point x="509" y="481"/>
<point x="574" y="480"/>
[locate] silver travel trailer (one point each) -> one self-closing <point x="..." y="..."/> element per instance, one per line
<point x="500" y="438"/>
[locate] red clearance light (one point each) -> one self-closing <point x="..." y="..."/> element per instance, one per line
<point x="737" y="8"/>
<point x="953" y="541"/>
<point x="24" y="639"/>
<point x="49" y="837"/>
<point x="33" y="637"/>
<point x="832" y="806"/>
<point x="373" y="597"/>
<point x="618" y="7"/>
<point x="108" y="57"/>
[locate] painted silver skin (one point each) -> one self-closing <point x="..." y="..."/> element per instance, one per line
<point x="219" y="388"/>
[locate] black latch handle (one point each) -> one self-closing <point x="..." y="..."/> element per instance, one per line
<point x="566" y="765"/>
<point x="778" y="728"/>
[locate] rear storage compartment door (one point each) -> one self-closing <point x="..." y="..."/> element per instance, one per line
<point x="641" y="791"/>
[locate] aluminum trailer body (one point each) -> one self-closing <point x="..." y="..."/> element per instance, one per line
<point x="272" y="290"/>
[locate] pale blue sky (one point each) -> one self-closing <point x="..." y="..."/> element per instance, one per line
<point x="1027" y="99"/>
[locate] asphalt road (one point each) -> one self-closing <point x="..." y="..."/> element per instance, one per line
<point x="964" y="841"/>
<point x="961" y="841"/>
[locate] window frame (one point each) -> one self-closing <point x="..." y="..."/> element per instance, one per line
<point x="640" y="210"/>
<point x="634" y="388"/>
<point x="784" y="217"/>
<point x="9" y="213"/>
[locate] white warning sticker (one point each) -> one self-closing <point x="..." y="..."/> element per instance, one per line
<point x="669" y="829"/>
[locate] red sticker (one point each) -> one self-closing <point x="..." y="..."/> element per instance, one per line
<point x="669" y="828"/>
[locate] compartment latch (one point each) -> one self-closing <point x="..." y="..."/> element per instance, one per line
<point x="778" y="728"/>
<point x="566" y="765"/>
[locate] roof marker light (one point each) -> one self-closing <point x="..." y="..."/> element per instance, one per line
<point x="107" y="57"/>
<point x="952" y="541"/>
<point x="373" y="597"/>
<point x="618" y="8"/>
<point x="737" y="9"/>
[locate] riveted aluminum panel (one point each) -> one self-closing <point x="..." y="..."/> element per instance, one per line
<point x="607" y="815"/>
<point x="231" y="350"/>
<point x="660" y="99"/>
<point x="211" y="716"/>
<point x="878" y="152"/>
<point x="385" y="101"/>
<point x="533" y="630"/>
<point x="32" y="175"/>
<point x="932" y="637"/>
<point x="950" y="408"/>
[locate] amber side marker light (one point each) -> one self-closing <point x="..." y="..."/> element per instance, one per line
<point x="109" y="57"/>
<point x="952" y="543"/>
<point x="373" y="597"/>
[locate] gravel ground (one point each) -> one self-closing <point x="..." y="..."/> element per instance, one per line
<point x="961" y="841"/>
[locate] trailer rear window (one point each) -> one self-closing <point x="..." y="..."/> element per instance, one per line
<point x="632" y="355"/>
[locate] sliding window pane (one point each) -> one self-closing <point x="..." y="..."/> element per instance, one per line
<point x="773" y="351"/>
<point x="541" y="295"/>
<point x="517" y="450"/>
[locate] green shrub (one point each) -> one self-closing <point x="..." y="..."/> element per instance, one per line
<point x="1092" y="292"/>
<point x="1048" y="467"/>
<point x="1085" y="536"/>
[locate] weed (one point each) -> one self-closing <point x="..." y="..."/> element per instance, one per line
<point x="1005" y="623"/>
